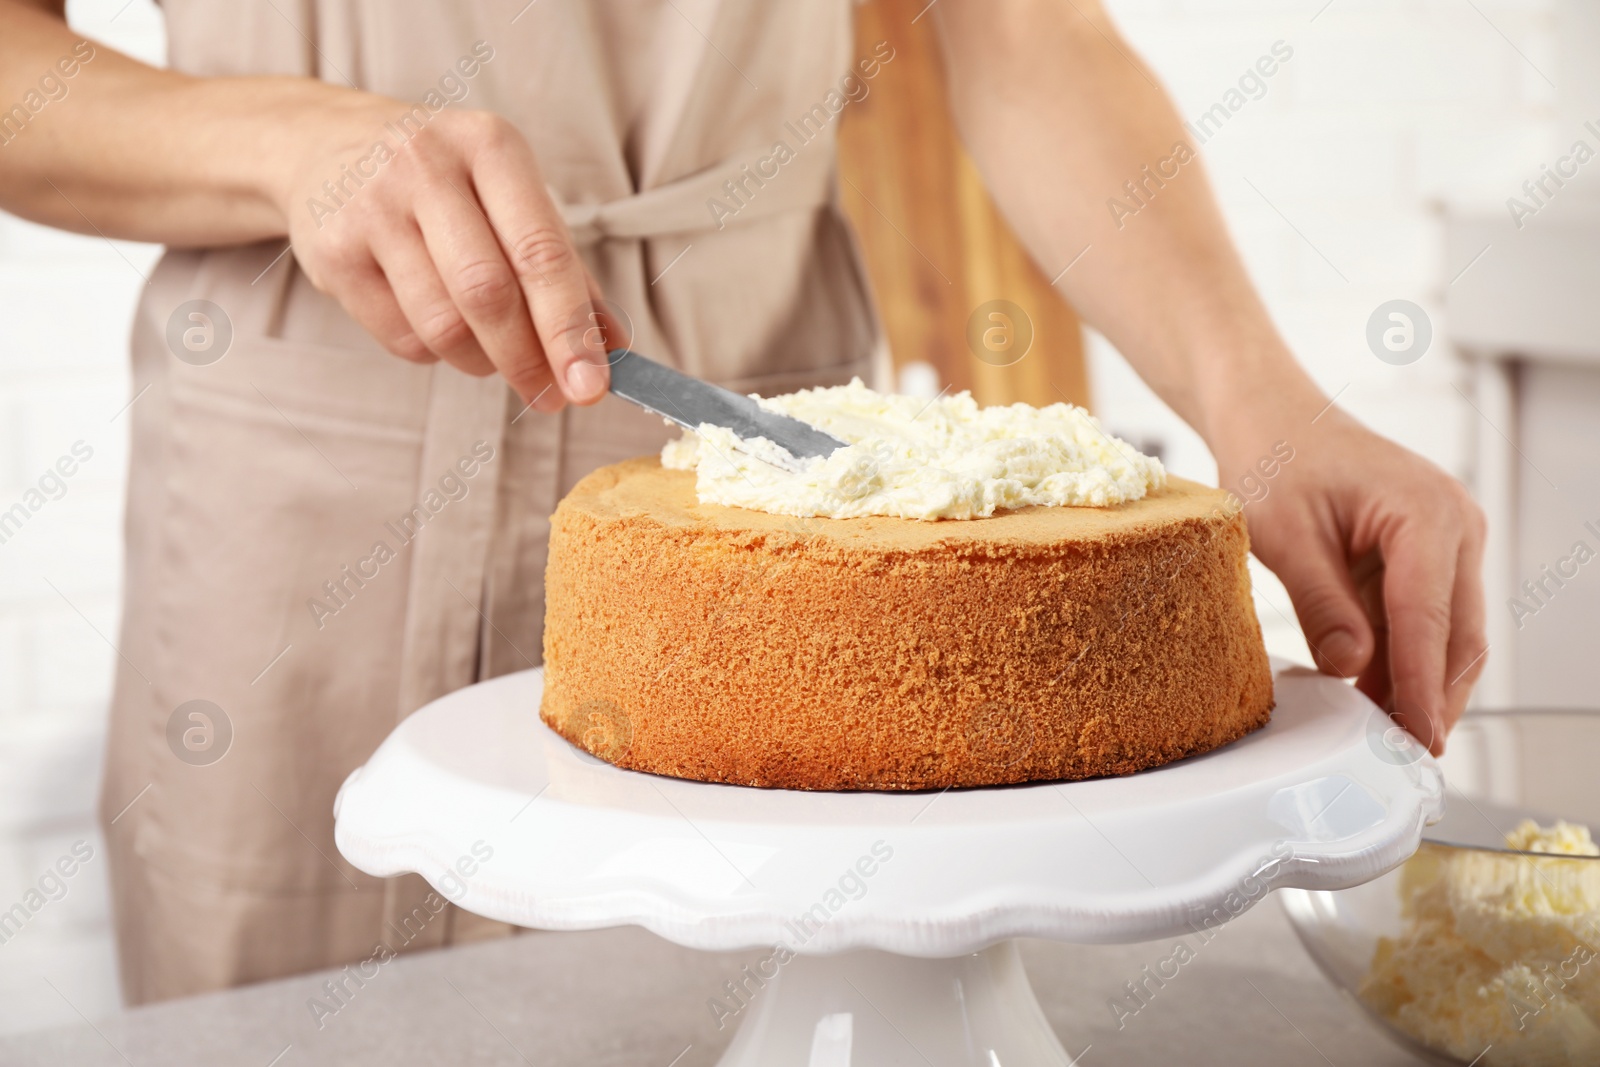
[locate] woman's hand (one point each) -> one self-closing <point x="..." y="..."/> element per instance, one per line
<point x="447" y="246"/>
<point x="432" y="228"/>
<point x="1382" y="554"/>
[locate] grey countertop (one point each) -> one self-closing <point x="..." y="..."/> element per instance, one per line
<point x="1250" y="996"/>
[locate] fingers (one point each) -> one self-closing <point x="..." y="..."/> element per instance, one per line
<point x="482" y="285"/>
<point x="459" y="253"/>
<point x="1469" y="643"/>
<point x="1317" y="577"/>
<point x="546" y="266"/>
<point x="1419" y="580"/>
<point x="1374" y="542"/>
<point x="427" y="304"/>
<point x="364" y="291"/>
<point x="1368" y="573"/>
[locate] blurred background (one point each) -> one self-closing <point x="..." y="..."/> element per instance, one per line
<point x="1376" y="164"/>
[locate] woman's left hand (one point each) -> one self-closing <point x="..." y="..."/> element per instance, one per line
<point x="1382" y="554"/>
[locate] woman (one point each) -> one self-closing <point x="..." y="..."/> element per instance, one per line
<point x="338" y="508"/>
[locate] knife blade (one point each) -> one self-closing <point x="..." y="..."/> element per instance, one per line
<point x="689" y="402"/>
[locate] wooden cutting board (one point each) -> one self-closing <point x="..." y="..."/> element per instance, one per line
<point x="936" y="247"/>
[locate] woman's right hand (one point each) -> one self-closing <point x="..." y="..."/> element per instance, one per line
<point x="447" y="246"/>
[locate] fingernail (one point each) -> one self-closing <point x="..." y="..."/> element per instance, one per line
<point x="1339" y="648"/>
<point x="585" y="380"/>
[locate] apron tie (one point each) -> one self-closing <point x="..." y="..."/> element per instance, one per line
<point x="751" y="184"/>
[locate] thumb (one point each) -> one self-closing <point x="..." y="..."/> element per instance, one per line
<point x="1329" y="609"/>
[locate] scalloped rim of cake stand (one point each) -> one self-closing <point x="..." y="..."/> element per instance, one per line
<point x="1320" y="798"/>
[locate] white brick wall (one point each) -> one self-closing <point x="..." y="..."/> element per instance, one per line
<point x="1386" y="107"/>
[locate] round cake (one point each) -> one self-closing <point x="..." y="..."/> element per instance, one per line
<point x="725" y="644"/>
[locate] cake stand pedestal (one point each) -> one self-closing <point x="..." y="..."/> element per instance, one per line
<point x="879" y="925"/>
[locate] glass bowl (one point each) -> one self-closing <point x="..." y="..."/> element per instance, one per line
<point x="1472" y="952"/>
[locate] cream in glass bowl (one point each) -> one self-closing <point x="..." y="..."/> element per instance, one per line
<point x="1484" y="947"/>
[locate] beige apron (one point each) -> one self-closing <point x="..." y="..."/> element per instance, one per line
<point x="321" y="538"/>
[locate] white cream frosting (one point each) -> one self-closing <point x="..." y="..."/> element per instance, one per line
<point x="1495" y="962"/>
<point x="914" y="459"/>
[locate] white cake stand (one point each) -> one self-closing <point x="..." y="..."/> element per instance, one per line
<point x="885" y="920"/>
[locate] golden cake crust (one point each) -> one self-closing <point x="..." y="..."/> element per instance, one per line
<point x="729" y="645"/>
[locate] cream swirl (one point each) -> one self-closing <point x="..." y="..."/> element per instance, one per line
<point x="911" y="458"/>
